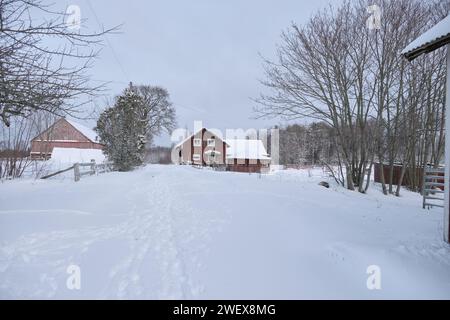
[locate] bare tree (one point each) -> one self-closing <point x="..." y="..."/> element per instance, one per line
<point x="322" y="73"/>
<point x="380" y="107"/>
<point x="157" y="109"/>
<point x="409" y="95"/>
<point x="33" y="74"/>
<point x="15" y="144"/>
<point x="128" y="128"/>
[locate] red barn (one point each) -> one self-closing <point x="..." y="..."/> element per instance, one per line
<point x="63" y="134"/>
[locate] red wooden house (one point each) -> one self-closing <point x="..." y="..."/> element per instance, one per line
<point x="205" y="148"/>
<point x="202" y="148"/>
<point x="63" y="134"/>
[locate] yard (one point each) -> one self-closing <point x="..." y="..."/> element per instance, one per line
<point x="164" y="232"/>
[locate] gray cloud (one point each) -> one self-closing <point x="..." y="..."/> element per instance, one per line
<point x="206" y="53"/>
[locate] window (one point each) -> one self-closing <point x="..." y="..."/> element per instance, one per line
<point x="211" y="142"/>
<point x="197" y="143"/>
<point x="196" y="157"/>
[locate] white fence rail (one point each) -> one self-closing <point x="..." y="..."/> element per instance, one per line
<point x="433" y="187"/>
<point x="79" y="169"/>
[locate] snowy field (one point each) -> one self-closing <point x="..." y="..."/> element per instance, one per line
<point x="179" y="232"/>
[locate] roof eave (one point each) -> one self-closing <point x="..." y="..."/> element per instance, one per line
<point x="427" y="47"/>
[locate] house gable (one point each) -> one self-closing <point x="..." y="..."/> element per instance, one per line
<point x="192" y="149"/>
<point x="63" y="130"/>
<point x="63" y="134"/>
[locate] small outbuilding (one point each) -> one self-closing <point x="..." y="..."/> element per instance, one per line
<point x="246" y="155"/>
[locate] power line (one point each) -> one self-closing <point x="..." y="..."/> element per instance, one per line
<point x="108" y="42"/>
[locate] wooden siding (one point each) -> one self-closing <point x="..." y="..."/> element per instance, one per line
<point x="396" y="175"/>
<point x="188" y="149"/>
<point x="61" y="135"/>
<point x="247" y="165"/>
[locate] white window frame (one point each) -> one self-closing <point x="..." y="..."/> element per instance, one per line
<point x="196" y="157"/>
<point x="197" y="142"/>
<point x="211" y="142"/>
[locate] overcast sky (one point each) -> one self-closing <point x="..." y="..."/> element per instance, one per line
<point x="206" y="53"/>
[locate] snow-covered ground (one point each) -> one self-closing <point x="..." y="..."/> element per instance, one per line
<point x="64" y="156"/>
<point x="181" y="232"/>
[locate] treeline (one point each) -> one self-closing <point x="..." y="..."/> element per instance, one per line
<point x="311" y="144"/>
<point x="381" y="107"/>
<point x="159" y="155"/>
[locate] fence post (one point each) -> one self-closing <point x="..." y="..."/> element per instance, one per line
<point x="93" y="171"/>
<point x="424" y="192"/>
<point x="76" y="171"/>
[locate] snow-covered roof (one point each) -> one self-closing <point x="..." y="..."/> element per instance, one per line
<point x="73" y="155"/>
<point x="434" y="38"/>
<point x="88" y="133"/>
<point x="246" y="149"/>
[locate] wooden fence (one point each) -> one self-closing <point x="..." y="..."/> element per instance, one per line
<point x="84" y="169"/>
